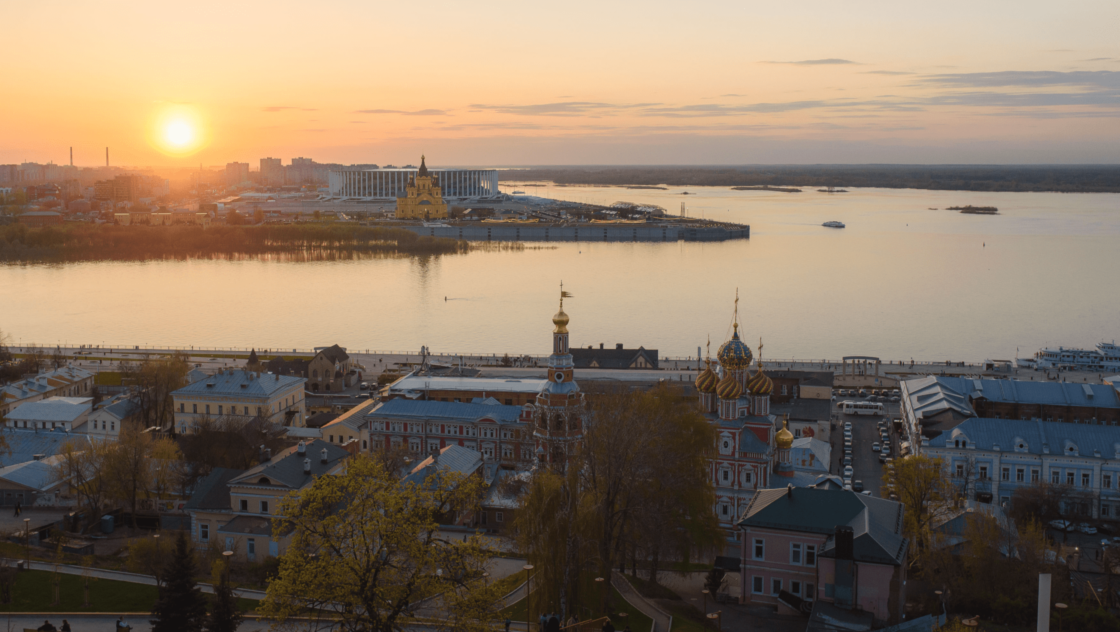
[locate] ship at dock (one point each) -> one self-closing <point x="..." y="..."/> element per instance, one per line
<point x="1106" y="357"/>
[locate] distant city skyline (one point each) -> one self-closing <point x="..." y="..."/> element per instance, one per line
<point x="509" y="84"/>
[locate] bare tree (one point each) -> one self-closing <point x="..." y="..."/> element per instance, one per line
<point x="154" y="381"/>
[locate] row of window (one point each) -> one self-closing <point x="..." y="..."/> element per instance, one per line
<point x="263" y="506"/>
<point x="804" y="590"/>
<point x="457" y="430"/>
<point x="250" y="543"/>
<point x="433" y="447"/>
<point x="1020" y="474"/>
<point x="800" y="554"/>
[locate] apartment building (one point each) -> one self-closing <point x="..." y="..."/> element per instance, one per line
<point x="240" y="394"/>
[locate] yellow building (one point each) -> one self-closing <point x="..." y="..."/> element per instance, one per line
<point x="423" y="198"/>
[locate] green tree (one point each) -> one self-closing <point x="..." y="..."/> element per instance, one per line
<point x="928" y="496"/>
<point x="224" y="614"/>
<point x="366" y="550"/>
<point x="181" y="606"/>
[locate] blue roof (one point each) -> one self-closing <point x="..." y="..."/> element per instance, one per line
<point x="453" y="458"/>
<point x="448" y="411"/>
<point x="985" y="433"/>
<point x="25" y="444"/>
<point x="240" y="383"/>
<point x="1019" y="391"/>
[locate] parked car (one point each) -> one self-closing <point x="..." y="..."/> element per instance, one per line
<point x="875" y="447"/>
<point x="1061" y="525"/>
<point x="848" y="471"/>
<point x="857" y="485"/>
<point x="847" y="460"/>
<point x="364" y="386"/>
<point x="1105" y="543"/>
<point x="1086" y="528"/>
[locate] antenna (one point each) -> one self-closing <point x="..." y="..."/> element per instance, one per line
<point x="71" y="156"/>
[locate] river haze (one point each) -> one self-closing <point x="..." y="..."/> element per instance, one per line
<point x="900" y="281"/>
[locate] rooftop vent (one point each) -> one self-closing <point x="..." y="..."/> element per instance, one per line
<point x="306" y="464"/>
<point x="301" y="448"/>
<point x="618" y="346"/>
<point x="323" y="455"/>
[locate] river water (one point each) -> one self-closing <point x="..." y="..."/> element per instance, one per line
<point x="900" y="281"/>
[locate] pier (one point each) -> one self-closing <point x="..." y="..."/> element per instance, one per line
<point x="651" y="232"/>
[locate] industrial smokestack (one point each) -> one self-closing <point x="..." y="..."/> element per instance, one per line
<point x="71" y="156"/>
<point x="106" y="156"/>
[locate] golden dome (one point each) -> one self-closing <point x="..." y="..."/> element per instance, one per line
<point x="733" y="354"/>
<point x="784" y="438"/>
<point x="707" y="380"/>
<point x="729" y="387"/>
<point x="760" y="384"/>
<point x="561" y="321"/>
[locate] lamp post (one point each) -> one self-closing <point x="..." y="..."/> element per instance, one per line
<point x="706" y="592"/>
<point x="1061" y="608"/>
<point x="228" y="555"/>
<point x="599" y="581"/>
<point x="528" y="597"/>
<point x="941" y="600"/>
<point x="718" y="617"/>
<point x="27" y="540"/>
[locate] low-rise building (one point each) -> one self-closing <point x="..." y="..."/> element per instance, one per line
<point x="331" y="370"/>
<point x="67" y="381"/>
<point x="988" y="459"/>
<point x="109" y="416"/>
<point x="62" y="413"/>
<point x="235" y="508"/>
<point x="616" y="358"/>
<point x="350" y="426"/>
<point x="36" y="445"/>
<point x="238" y="394"/>
<point x="499" y="432"/>
<point x="32" y="484"/>
<point x="38" y="219"/>
<point x="511" y="391"/>
<point x="821" y="543"/>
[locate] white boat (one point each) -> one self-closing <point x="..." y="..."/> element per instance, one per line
<point x="1106" y="357"/>
<point x="833" y="224"/>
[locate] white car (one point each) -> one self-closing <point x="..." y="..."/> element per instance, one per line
<point x="1085" y="528"/>
<point x="848" y="471"/>
<point x="875" y="447"/>
<point x="1061" y="525"/>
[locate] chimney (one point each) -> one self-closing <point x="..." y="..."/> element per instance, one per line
<point x="306" y="463"/>
<point x="600" y="345"/>
<point x="323" y="455"/>
<point x="301" y="448"/>
<point x="845" y="568"/>
<point x="261" y="452"/>
<point x="618" y="346"/>
<point x="268" y="454"/>
<point x="789" y="491"/>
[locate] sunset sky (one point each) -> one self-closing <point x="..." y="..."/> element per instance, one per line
<point x="524" y="83"/>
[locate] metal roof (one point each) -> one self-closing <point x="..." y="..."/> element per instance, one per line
<point x="212" y="492"/>
<point x="1056" y="437"/>
<point x="38" y="475"/>
<point x="444" y="411"/>
<point x="49" y="410"/>
<point x="240" y="383"/>
<point x="286" y="468"/>
<point x="413" y="385"/>
<point x="453" y="458"/>
<point x="25" y="444"/>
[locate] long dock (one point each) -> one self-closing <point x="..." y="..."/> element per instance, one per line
<point x="651" y="232"/>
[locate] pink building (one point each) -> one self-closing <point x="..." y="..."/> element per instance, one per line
<point x="821" y="543"/>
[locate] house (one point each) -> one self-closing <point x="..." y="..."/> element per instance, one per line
<point x="109" y="416"/>
<point x="821" y="543"/>
<point x="348" y="426"/>
<point x="331" y="370"/>
<point x="241" y="395"/>
<point x="32" y="484"/>
<point x="502" y="500"/>
<point x="951" y="529"/>
<point x="32" y="445"/>
<point x="63" y="413"/>
<point x="617" y="358"/>
<point x="235" y="508"/>
<point x="501" y="433"/>
<point x="38" y="219"/>
<point x="67" y="381"/>
<point x="452" y="459"/>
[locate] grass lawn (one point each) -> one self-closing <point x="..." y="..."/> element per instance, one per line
<point x="686" y="617"/>
<point x="634" y="618"/>
<point x="505" y="586"/>
<point x="34" y="592"/>
<point x="107" y="378"/>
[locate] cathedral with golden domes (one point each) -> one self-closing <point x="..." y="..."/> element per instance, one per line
<point x="752" y="451"/>
<point x="423" y="198"/>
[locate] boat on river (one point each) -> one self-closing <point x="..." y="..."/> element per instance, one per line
<point x="1106" y="357"/>
<point x="833" y="224"/>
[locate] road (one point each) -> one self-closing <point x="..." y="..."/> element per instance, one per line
<point x="865" y="432"/>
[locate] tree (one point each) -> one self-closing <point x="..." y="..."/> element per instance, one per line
<point x="228" y="442"/>
<point x="154" y="382"/>
<point x="927" y="496"/>
<point x="258" y="215"/>
<point x="85" y="470"/>
<point x="138" y="464"/>
<point x="181" y="607"/>
<point x="148" y="556"/>
<point x="224" y="615"/>
<point x="368" y="548"/>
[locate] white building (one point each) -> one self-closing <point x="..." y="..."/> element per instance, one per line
<point x="69" y="381"/>
<point x="389" y="184"/>
<point x="240" y="394"/>
<point x="53" y="413"/>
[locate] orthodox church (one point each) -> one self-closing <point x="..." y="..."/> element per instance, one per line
<point x="752" y="451"/>
<point x="423" y="198"/>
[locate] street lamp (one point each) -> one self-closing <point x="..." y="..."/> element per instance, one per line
<point x="528" y="597"/>
<point x="706" y="592"/>
<point x="599" y="581"/>
<point x="228" y="555"/>
<point x="718" y="617"/>
<point x="1061" y="607"/>
<point x="27" y="540"/>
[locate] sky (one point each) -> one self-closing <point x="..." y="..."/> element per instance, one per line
<point x="496" y="83"/>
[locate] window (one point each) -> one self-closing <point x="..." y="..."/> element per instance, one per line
<point x="756" y="585"/>
<point x="246" y="411"/>
<point x="112" y="425"/>
<point x="1055" y="477"/>
<point x="194" y="408"/>
<point x="795" y="587"/>
<point x="1069" y="478"/>
<point x="960" y="470"/>
<point x="1086" y="478"/>
<point x="1020" y="475"/>
<point x="795" y="553"/>
<point x="1104" y="510"/>
<point x="507" y="452"/>
<point x="244" y="505"/>
<point x="759" y="549"/>
<point x="810" y="555"/>
<point x="364" y="446"/>
<point x="331" y="438"/>
<point x="1106" y="481"/>
<point x="219" y="409"/>
<point x="809" y="592"/>
<point x="182" y="408"/>
<point x="499" y="516"/>
<point x="258" y="411"/>
<point x="1034" y="475"/>
<point x="208" y="409"/>
<point x="725" y="510"/>
<point x="983" y="472"/>
<point x="204" y="532"/>
<point x="1005" y="474"/>
<point x="726" y="476"/>
<point x="264" y="506"/>
<point x="775" y="583"/>
<point x="748" y="478"/>
<point x="251" y="547"/>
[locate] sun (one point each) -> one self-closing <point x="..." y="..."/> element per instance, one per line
<point x="179" y="134"/>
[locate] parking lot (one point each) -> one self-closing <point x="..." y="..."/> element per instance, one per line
<point x="865" y="433"/>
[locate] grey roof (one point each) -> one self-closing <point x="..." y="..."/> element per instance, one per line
<point x="444" y="411"/>
<point x="247" y="525"/>
<point x="334" y="353"/>
<point x="297" y="367"/>
<point x="501" y="494"/>
<point x="803" y="447"/>
<point x="1008" y="434"/>
<point x="121" y="409"/>
<point x="414" y="386"/>
<point x="26" y="443"/>
<point x="749" y="442"/>
<point x="353" y="418"/>
<point x="43" y="382"/>
<point x="38" y="475"/>
<point x="452" y="458"/>
<point x="612" y="358"/>
<point x="52" y="409"/>
<point x="930" y="395"/>
<point x="240" y="383"/>
<point x="286" y="468"/>
<point x="195" y="375"/>
<point x="212" y="492"/>
<point x="802" y="409"/>
<point x="876" y="522"/>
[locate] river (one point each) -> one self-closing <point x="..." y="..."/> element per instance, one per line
<point x="900" y="281"/>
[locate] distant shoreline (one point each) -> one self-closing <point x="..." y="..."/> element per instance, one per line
<point x="979" y="179"/>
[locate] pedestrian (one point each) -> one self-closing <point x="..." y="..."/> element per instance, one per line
<point x="19" y="507"/>
<point x="47" y="627"/>
<point x="608" y="626"/>
<point x="508" y="622"/>
<point x="65" y="626"/>
<point x="541" y="622"/>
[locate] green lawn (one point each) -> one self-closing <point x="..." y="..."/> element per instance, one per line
<point x="637" y="621"/>
<point x="34" y="592"/>
<point x="506" y="585"/>
<point x="686" y="616"/>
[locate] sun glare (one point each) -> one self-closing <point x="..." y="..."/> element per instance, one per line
<point x="179" y="133"/>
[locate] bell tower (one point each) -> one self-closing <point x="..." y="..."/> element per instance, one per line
<point x="559" y="417"/>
